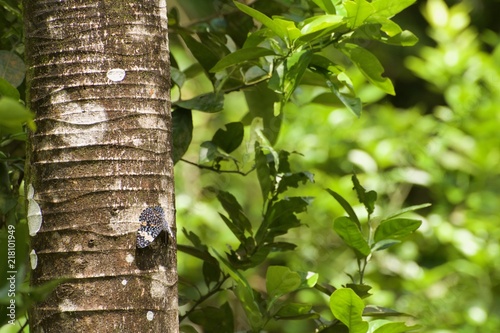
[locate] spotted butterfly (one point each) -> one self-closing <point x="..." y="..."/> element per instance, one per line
<point x="152" y="223"/>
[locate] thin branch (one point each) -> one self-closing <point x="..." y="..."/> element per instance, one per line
<point x="218" y="170"/>
<point x="202" y="299"/>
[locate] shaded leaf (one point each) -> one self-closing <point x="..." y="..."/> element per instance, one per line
<point x="396" y="228"/>
<point x="347" y="207"/>
<point x="210" y="103"/>
<point x="351" y="235"/>
<point x="347" y="307"/>
<point x="229" y="139"/>
<point x="182" y="127"/>
<point x="369" y="65"/>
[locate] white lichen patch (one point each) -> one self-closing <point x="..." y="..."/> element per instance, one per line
<point x="34" y="212"/>
<point x="124" y="282"/>
<point x="33" y="259"/>
<point x="66" y="305"/>
<point x="157" y="288"/>
<point x="116" y="74"/>
<point x="129" y="258"/>
<point x="150" y="315"/>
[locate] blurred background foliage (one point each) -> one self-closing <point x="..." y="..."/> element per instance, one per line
<point x="435" y="141"/>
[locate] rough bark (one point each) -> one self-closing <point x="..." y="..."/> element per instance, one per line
<point x="101" y="154"/>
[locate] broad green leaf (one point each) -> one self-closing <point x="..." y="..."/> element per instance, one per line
<point x="326" y="5"/>
<point x="260" y="100"/>
<point x="235" y="228"/>
<point x="407" y="209"/>
<point x="177" y="76"/>
<point x="347" y="307"/>
<point x="357" y="12"/>
<point x="389" y="8"/>
<point x="288" y="74"/>
<point x="263" y="173"/>
<point x="362" y="290"/>
<point x="369" y="65"/>
<point x="384" y="244"/>
<point x="210" y="102"/>
<point x="366" y="198"/>
<point x="182" y="127"/>
<point x="382" y="312"/>
<point x="234" y="210"/>
<point x="13" y="115"/>
<point x="280" y="280"/>
<point x="197" y="253"/>
<point x="347" y="207"/>
<point x="292" y="32"/>
<point x="229" y="139"/>
<point x="240" y="56"/>
<point x="396" y="327"/>
<point x="245" y="294"/>
<point x="321" y="22"/>
<point x="202" y="53"/>
<point x="350" y="233"/>
<point x="268" y="22"/>
<point x="296" y="311"/>
<point x="396" y="228"/>
<point x="213" y="319"/>
<point x="8" y="90"/>
<point x="208" y="152"/>
<point x="293" y="180"/>
<point x="211" y="272"/>
<point x="348" y="98"/>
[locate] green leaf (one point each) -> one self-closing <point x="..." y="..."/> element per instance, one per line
<point x="382" y="312"/>
<point x="210" y="102"/>
<point x="389" y="8"/>
<point x="321" y="22"/>
<point x="407" y="209"/>
<point x="260" y="100"/>
<point x="384" y="244"/>
<point x="14" y="115"/>
<point x="287" y="75"/>
<point x="245" y="294"/>
<point x="293" y="180"/>
<point x="395" y="327"/>
<point x="214" y="320"/>
<point x="278" y="29"/>
<point x="347" y="207"/>
<point x="396" y="228"/>
<point x="326" y="5"/>
<point x="8" y="90"/>
<point x="202" y="53"/>
<point x="347" y="307"/>
<point x="296" y="311"/>
<point x="211" y="272"/>
<point x="280" y="280"/>
<point x="366" y="198"/>
<point x="362" y="290"/>
<point x="348" y="98"/>
<point x="234" y="210"/>
<point x="240" y="56"/>
<point x="229" y="139"/>
<point x="263" y="173"/>
<point x="182" y="127"/>
<point x="350" y="233"/>
<point x="357" y="12"/>
<point x="208" y="152"/>
<point x="369" y="65"/>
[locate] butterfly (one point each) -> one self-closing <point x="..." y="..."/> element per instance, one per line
<point x="152" y="223"/>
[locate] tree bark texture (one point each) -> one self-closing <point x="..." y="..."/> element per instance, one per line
<point x="101" y="154"/>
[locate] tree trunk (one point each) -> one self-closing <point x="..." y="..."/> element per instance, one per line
<point x="100" y="156"/>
